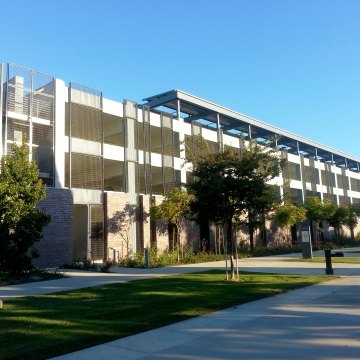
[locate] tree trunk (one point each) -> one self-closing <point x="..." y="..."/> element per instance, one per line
<point x="312" y="232"/>
<point x="231" y="247"/>
<point x="229" y="243"/>
<point x="251" y="233"/>
<point x="352" y="234"/>
<point x="232" y="264"/>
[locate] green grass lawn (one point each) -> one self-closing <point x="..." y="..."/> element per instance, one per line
<point x="44" y="326"/>
<point x="321" y="259"/>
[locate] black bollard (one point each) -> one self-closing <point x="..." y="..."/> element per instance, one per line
<point x="329" y="270"/>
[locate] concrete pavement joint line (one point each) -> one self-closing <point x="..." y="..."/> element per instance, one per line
<point x="153" y="340"/>
<point x="297" y="321"/>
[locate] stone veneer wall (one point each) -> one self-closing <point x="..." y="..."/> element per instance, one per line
<point x="55" y="248"/>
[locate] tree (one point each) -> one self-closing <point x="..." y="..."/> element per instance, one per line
<point x="287" y="215"/>
<point x="173" y="209"/>
<point x="229" y="187"/>
<point x="21" y="223"/>
<point x="260" y="203"/>
<point x="318" y="211"/>
<point x="352" y="220"/>
<point x="338" y="218"/>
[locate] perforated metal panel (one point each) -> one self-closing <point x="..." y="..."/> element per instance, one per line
<point x="86" y="131"/>
<point x="86" y="123"/>
<point x="195" y="129"/>
<point x="131" y="152"/>
<point x="140" y="225"/>
<point x="147" y="150"/>
<point x="86" y="171"/>
<point x="97" y="232"/>
<point x="86" y="96"/>
<point x="30" y="116"/>
<point x="167" y="152"/>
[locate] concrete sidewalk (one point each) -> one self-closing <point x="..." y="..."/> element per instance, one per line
<point x="317" y="322"/>
<point x="77" y="279"/>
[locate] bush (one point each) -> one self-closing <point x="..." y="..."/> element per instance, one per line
<point x="168" y="258"/>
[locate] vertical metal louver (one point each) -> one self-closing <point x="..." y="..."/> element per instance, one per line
<point x="195" y="129"/>
<point x="86" y="130"/>
<point x="329" y="182"/>
<point x="314" y="174"/>
<point x="131" y="161"/>
<point x="30" y="116"/>
<point x="286" y="175"/>
<point x="147" y="150"/>
<point x="167" y="140"/>
<point x="140" y="225"/>
<point x="346" y="186"/>
<point x="97" y="232"/>
<point x="131" y="153"/>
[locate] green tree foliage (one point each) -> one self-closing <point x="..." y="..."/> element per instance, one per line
<point x="318" y="211"/>
<point x="173" y="209"/>
<point x="338" y="218"/>
<point x="21" y="223"/>
<point x="287" y="215"/>
<point x="229" y="187"/>
<point x="352" y="219"/>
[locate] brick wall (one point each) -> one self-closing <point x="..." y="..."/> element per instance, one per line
<point x="55" y="248"/>
<point x="115" y="223"/>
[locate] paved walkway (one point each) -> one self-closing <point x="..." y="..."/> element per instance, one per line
<point x="317" y="322"/>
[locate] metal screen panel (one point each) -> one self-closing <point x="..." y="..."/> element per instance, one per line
<point x="140" y="225"/>
<point x="195" y="129"/>
<point x="43" y="96"/>
<point x="131" y="153"/>
<point x="86" y="96"/>
<point x="169" y="179"/>
<point x="30" y="116"/>
<point x="18" y="89"/>
<point x="147" y="150"/>
<point x="167" y="140"/>
<point x="97" y="232"/>
<point x="286" y="176"/>
<point x="130" y="109"/>
<point x="86" y="171"/>
<point x="86" y="123"/>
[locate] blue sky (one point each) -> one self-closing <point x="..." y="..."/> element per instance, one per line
<point x="291" y="63"/>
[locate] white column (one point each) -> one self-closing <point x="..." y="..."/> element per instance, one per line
<point x="181" y="139"/>
<point x="59" y="125"/>
<point x="2" y="137"/>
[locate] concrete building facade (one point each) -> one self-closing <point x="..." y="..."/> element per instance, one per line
<point x="105" y="162"/>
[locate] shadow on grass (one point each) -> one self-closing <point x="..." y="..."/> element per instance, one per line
<point x="55" y="324"/>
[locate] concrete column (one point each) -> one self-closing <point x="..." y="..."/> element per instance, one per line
<point x="181" y="138"/>
<point x="219" y="133"/>
<point x="59" y="143"/>
<point x="2" y="137"/>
